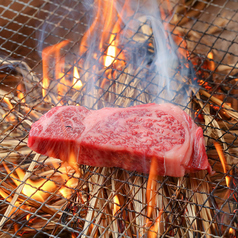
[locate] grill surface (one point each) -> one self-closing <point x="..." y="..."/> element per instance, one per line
<point x="197" y="205"/>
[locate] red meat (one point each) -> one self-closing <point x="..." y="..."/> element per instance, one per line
<point x="123" y="137"/>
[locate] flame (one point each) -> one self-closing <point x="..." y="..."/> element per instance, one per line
<point x="67" y="190"/>
<point x="7" y="101"/>
<point x="73" y="235"/>
<point x="223" y="162"/>
<point x="111" y="52"/>
<point x="83" y="45"/>
<point x="150" y="197"/>
<point x="60" y="75"/>
<point x="73" y="162"/>
<point x="28" y="216"/>
<point x="71" y="183"/>
<point x="153" y="232"/>
<point x="103" y="19"/>
<point x="151" y="186"/>
<point x="10" y="107"/>
<point x="46" y="53"/>
<point x="32" y="188"/>
<point x="116" y="206"/>
<point x="76" y="79"/>
<point x="5" y="195"/>
<point x="232" y="231"/>
<point x="212" y="63"/>
<point x="20" y="95"/>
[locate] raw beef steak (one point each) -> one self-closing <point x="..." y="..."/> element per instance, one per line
<point x="123" y="137"/>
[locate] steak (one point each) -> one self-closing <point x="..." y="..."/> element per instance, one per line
<point x="123" y="137"/>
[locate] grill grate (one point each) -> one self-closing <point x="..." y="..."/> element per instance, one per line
<point x="196" y="205"/>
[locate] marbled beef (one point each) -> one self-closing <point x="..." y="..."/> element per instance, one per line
<point x="123" y="137"/>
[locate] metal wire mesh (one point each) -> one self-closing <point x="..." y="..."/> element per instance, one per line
<point x="205" y="204"/>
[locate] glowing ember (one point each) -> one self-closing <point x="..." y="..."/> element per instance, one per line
<point x="232" y="231"/>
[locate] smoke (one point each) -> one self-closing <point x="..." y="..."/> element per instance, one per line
<point x="149" y="65"/>
<point x="173" y="80"/>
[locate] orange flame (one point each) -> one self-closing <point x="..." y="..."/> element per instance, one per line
<point x="103" y="18"/>
<point x="116" y="206"/>
<point x="5" y="195"/>
<point x="20" y="94"/>
<point x="112" y="49"/>
<point x="46" y="53"/>
<point x="9" y="105"/>
<point x="73" y="235"/>
<point x="71" y="183"/>
<point x="223" y="162"/>
<point x="151" y="186"/>
<point x="28" y="217"/>
<point x="32" y="188"/>
<point x="232" y="231"/>
<point x="212" y="63"/>
<point x="76" y="79"/>
<point x="67" y="190"/>
<point x="59" y="75"/>
<point x="83" y="45"/>
<point x="153" y="232"/>
<point x="111" y="52"/>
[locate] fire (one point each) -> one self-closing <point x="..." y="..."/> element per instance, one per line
<point x="116" y="206"/>
<point x="20" y="94"/>
<point x="112" y="49"/>
<point x="5" y="195"/>
<point x="150" y="197"/>
<point x="46" y="54"/>
<point x="32" y="188"/>
<point x="223" y="162"/>
<point x="212" y="63"/>
<point x="153" y="232"/>
<point x="76" y="79"/>
<point x="232" y="231"/>
<point x="71" y="183"/>
<point x="111" y="52"/>
<point x="60" y="76"/>
<point x="10" y="107"/>
<point x="28" y="216"/>
<point x="67" y="189"/>
<point x="59" y="71"/>
<point x="151" y="186"/>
